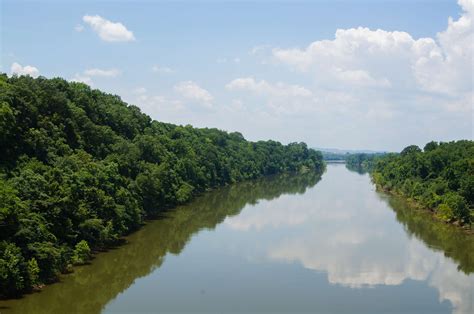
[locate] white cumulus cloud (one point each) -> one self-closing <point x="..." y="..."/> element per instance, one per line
<point x="107" y="30"/>
<point x="18" y="69"/>
<point x="264" y="88"/>
<point x="360" y="78"/>
<point x="192" y="91"/>
<point x="447" y="65"/>
<point x="378" y="58"/>
<point x="101" y="72"/>
<point x="79" y="78"/>
<point x="365" y="79"/>
<point x="87" y="75"/>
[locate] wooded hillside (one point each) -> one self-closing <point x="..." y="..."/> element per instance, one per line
<point x="79" y="168"/>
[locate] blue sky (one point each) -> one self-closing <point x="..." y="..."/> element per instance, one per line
<point x="250" y="67"/>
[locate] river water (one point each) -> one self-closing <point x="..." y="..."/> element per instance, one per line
<point x="285" y="244"/>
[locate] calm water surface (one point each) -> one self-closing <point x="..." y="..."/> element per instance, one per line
<point x="287" y="244"/>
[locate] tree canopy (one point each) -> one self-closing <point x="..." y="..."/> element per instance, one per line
<point x="439" y="177"/>
<point x="80" y="168"/>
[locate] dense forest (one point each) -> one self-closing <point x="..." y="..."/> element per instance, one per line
<point x="80" y="168"/>
<point x="439" y="177"/>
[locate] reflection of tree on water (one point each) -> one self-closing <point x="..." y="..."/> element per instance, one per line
<point x="455" y="243"/>
<point x="90" y="288"/>
<point x="359" y="169"/>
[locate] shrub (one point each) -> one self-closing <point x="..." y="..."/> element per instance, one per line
<point x="81" y="253"/>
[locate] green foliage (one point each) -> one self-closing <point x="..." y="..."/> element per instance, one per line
<point x="445" y="212"/>
<point x="184" y="193"/>
<point x="12" y="269"/>
<point x="7" y="123"/>
<point x="10" y="207"/>
<point x="33" y="272"/>
<point x="49" y="259"/>
<point x="412" y="149"/>
<point x="81" y="253"/>
<point x="165" y="236"/>
<point x="440" y="178"/>
<point x="79" y="166"/>
<point x="430" y="146"/>
<point x="458" y="209"/>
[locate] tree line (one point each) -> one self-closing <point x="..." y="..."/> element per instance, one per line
<point x="80" y="168"/>
<point x="440" y="177"/>
<point x="363" y="162"/>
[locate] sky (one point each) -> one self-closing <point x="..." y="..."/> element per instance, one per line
<point x="377" y="75"/>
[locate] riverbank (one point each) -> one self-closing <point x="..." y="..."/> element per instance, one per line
<point x="81" y="168"/>
<point x="277" y="184"/>
<point x="363" y="251"/>
<point x="415" y="205"/>
<point x="90" y="287"/>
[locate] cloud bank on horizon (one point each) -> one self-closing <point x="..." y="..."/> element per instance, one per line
<point x="364" y="88"/>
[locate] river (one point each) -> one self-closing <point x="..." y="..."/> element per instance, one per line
<point x="286" y="244"/>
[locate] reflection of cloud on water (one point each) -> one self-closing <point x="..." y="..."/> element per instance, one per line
<point x="291" y="214"/>
<point x="349" y="265"/>
<point x="358" y="244"/>
<point x="455" y="287"/>
<point x="352" y="267"/>
<point x="363" y="257"/>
